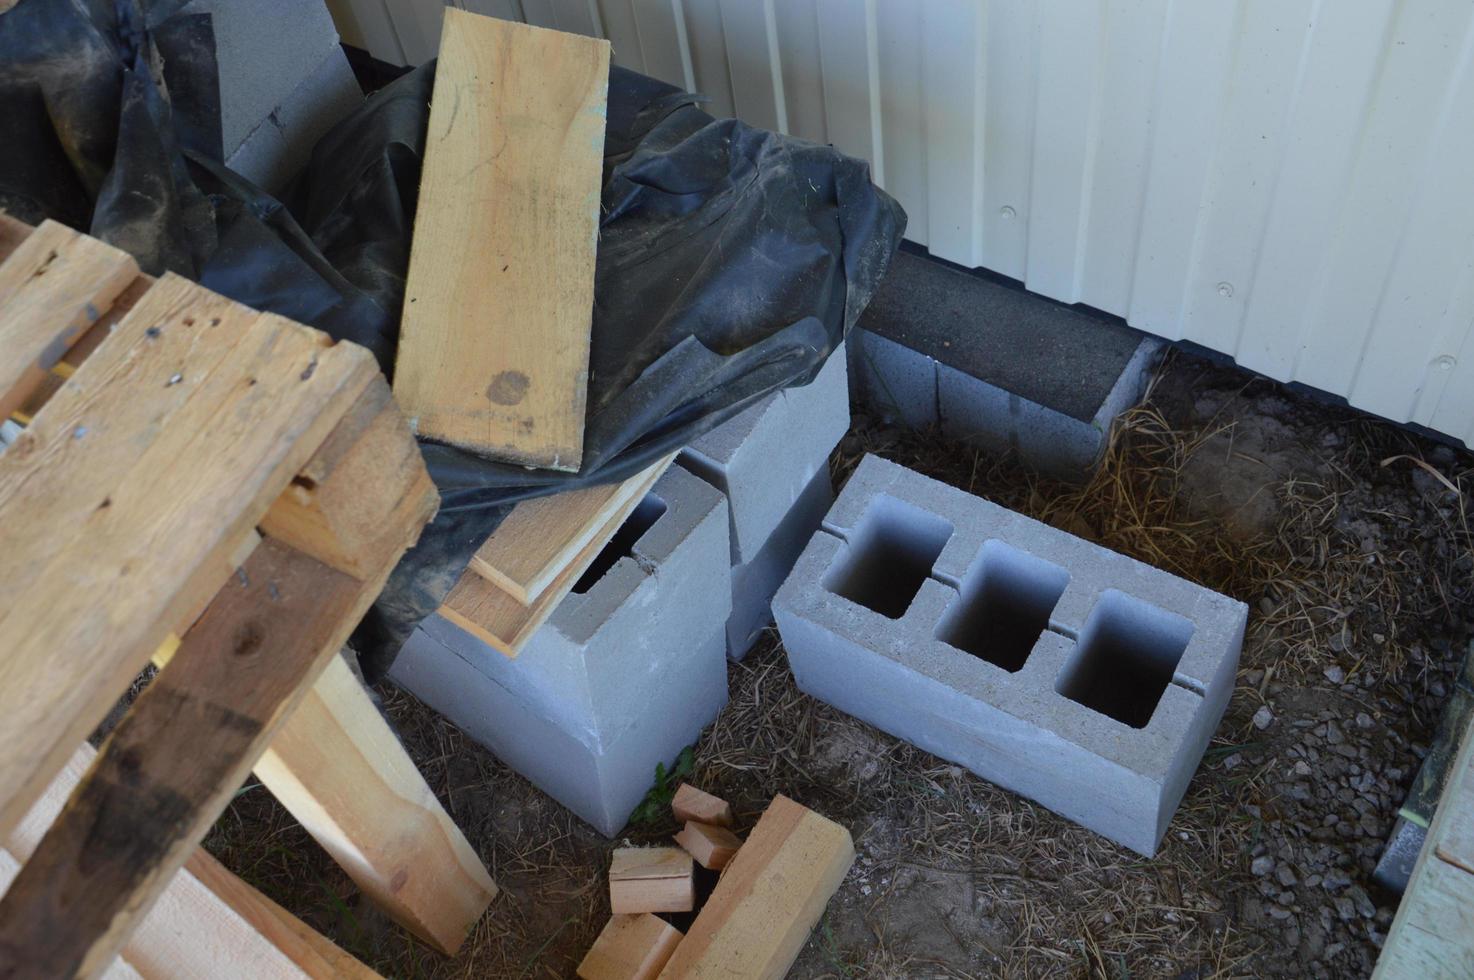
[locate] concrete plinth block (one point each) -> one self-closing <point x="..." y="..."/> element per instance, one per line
<point x="1068" y="673"/>
<point x="896" y="382"/>
<point x="627" y="671"/>
<point x="764" y="458"/>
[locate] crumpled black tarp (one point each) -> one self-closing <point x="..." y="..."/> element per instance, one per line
<point x="731" y="260"/>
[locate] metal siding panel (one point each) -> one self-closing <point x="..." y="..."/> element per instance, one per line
<point x="1011" y="65"/>
<point x="797" y="32"/>
<point x="1065" y="136"/>
<point x="365" y="24"/>
<point x="1197" y="52"/>
<point x="505" y="9"/>
<point x="952" y="83"/>
<point x="902" y="116"/>
<point x="1395" y="152"/>
<point x="851" y="79"/>
<point x="752" y="59"/>
<point x="618" y="20"/>
<point x="663" y="40"/>
<point x="708" y="47"/>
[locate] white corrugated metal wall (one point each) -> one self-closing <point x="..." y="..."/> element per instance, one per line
<point x="1290" y="182"/>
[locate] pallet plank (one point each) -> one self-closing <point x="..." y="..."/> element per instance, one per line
<point x="53" y="287"/>
<point x="497" y="619"/>
<point x="342" y="773"/>
<point x="541" y="537"/>
<point x="173" y="763"/>
<point x="494" y="346"/>
<point x="155" y="540"/>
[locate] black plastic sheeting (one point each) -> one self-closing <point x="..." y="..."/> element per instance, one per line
<point x="731" y="260"/>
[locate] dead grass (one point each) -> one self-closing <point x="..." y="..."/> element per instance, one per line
<point x="957" y="878"/>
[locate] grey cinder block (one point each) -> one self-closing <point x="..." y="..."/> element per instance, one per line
<point x="626" y="672"/>
<point x="997" y="366"/>
<point x="1063" y="671"/>
<point x="764" y="458"/>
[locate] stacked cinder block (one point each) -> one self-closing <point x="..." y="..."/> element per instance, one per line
<point x="625" y="673"/>
<point x="284" y="81"/>
<point x="1058" y="669"/>
<point x="772" y="463"/>
<point x="996" y="366"/>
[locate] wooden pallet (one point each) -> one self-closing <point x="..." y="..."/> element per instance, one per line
<point x="201" y="479"/>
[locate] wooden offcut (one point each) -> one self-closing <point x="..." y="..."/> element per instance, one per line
<point x="1433" y="933"/>
<point x="340" y="770"/>
<point x="540" y="538"/>
<point x="691" y="803"/>
<point x="631" y="947"/>
<point x="710" y="846"/>
<point x="651" y="879"/>
<point x="494" y="339"/>
<point x="497" y="619"/>
<point x="768" y="899"/>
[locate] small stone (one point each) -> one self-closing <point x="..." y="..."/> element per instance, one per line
<point x="1364" y="906"/>
<point x="1363" y="720"/>
<point x="1285" y="875"/>
<point x="1334" y="735"/>
<point x="1345" y="908"/>
<point x="1335" y="675"/>
<point x="1262" y="865"/>
<point x="1263" y="718"/>
<point x="1302" y="768"/>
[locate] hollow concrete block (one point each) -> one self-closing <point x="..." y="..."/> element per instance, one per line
<point x="623" y="675"/>
<point x="1063" y="671"/>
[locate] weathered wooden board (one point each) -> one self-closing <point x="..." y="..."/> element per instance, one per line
<point x="53" y="287"/>
<point x="768" y="899"/>
<point x="114" y="545"/>
<point x="494" y="343"/>
<point x="173" y="763"/>
<point x="541" y="537"/>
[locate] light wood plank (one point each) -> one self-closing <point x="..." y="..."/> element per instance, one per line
<point x="363" y="497"/>
<point x="497" y="619"/>
<point x="53" y="287"/>
<point x="769" y="898"/>
<point x="174" y="761"/>
<point x="630" y="947"/>
<point x="493" y="350"/>
<point x="541" y="537"/>
<point x="342" y="773"/>
<point x="1432" y="937"/>
<point x="152" y="542"/>
<point x="710" y="846"/>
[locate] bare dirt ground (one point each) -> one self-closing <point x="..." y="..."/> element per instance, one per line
<point x="1348" y="538"/>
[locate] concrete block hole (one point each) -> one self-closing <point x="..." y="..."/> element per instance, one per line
<point x="889" y="553"/>
<point x="1125" y="658"/>
<point x="1003" y="605"/>
<point x="641" y="519"/>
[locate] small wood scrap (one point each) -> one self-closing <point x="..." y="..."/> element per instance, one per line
<point x="768" y="899"/>
<point x="692" y="804"/>
<point x="496" y="618"/>
<point x="651" y="879"/>
<point x="494" y="342"/>
<point x="631" y="947"/>
<point x="710" y="846"/>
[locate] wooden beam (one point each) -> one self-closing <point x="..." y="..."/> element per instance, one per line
<point x="1432" y="936"/>
<point x="497" y="619"/>
<point x="769" y="898"/>
<point x="173" y="763"/>
<point x="363" y="498"/>
<point x="124" y="523"/>
<point x="494" y="342"/>
<point x="630" y="947"/>
<point x="341" y="772"/>
<point x="53" y="287"/>
<point x="651" y="879"/>
<point x="691" y="803"/>
<point x="540" y="538"/>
